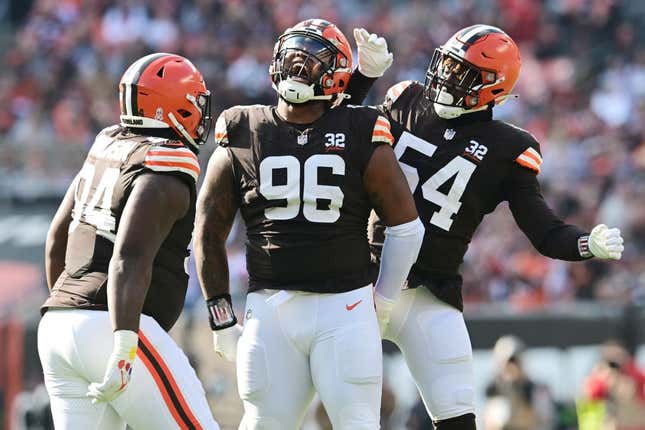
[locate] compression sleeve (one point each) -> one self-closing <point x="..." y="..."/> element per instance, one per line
<point x="400" y="251"/>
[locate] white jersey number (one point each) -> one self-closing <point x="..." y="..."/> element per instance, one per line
<point x="97" y="211"/>
<point x="311" y="193"/>
<point x="449" y="203"/>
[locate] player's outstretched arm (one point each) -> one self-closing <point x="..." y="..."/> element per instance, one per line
<point x="393" y="202"/>
<point x="216" y="207"/>
<point x="548" y="233"/>
<point x="56" y="242"/>
<point x="154" y="205"/>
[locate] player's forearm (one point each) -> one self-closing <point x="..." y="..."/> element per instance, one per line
<point x="358" y="87"/>
<point x="128" y="283"/>
<point x="563" y="243"/>
<point x="54" y="258"/>
<point x="212" y="265"/>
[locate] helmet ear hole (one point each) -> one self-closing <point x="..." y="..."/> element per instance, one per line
<point x="184" y="113"/>
<point x="160" y="71"/>
<point x="497" y="91"/>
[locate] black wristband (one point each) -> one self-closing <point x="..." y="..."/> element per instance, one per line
<point x="220" y="312"/>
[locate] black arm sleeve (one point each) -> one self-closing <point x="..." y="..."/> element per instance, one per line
<point x="547" y="232"/>
<point x="358" y="87"/>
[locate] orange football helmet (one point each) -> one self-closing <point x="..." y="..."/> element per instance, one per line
<point x="311" y="61"/>
<point x="477" y="66"/>
<point x="166" y="91"/>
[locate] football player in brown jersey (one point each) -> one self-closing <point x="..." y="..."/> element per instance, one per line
<point x="115" y="256"/>
<point x="460" y="164"/>
<point x="305" y="176"/>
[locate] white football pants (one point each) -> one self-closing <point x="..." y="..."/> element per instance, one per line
<point x="435" y="344"/>
<point x="164" y="392"/>
<point x="294" y="343"/>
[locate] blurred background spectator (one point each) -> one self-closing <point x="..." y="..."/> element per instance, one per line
<point x="514" y="401"/>
<point x="616" y="388"/>
<point x="581" y="93"/>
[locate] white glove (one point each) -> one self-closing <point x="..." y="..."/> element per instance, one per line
<point x="225" y="341"/>
<point x="119" y="368"/>
<point x="383" y="310"/>
<point x="606" y="242"/>
<point x="373" y="56"/>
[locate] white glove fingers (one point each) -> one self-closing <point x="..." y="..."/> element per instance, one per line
<point x="360" y="35"/>
<point x="614" y="241"/>
<point x="372" y="38"/>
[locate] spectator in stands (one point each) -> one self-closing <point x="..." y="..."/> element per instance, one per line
<point x="617" y="382"/>
<point x="514" y="401"/>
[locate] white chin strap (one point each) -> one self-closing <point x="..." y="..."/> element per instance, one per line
<point x="450" y="112"/>
<point x="298" y="92"/>
<point x="181" y="129"/>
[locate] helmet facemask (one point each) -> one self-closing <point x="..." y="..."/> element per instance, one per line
<point x="302" y="65"/>
<point x="453" y="84"/>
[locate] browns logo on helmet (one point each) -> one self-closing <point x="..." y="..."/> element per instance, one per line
<point x="311" y="61"/>
<point x="477" y="66"/>
<point x="166" y="91"/>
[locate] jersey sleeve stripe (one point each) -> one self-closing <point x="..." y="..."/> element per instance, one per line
<point x="221" y="133"/>
<point x="528" y="162"/>
<point x="165" y="166"/>
<point x="385" y="133"/>
<point x="381" y="132"/>
<point x="173" y="153"/>
<point x="530" y="152"/>
<point x="172" y="160"/>
<point x="396" y="90"/>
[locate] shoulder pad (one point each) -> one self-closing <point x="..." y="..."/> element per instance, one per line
<point x="172" y="158"/>
<point x="396" y="90"/>
<point x="382" y="132"/>
<point x="527" y="146"/>
<point x="221" y="134"/>
<point x="531" y="159"/>
<point x="234" y="116"/>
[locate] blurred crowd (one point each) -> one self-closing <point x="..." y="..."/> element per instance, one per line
<point x="581" y="93"/>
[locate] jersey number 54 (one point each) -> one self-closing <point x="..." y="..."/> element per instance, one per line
<point x="450" y="203"/>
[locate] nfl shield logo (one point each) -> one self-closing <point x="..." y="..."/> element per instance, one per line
<point x="449" y="134"/>
<point x="302" y="139"/>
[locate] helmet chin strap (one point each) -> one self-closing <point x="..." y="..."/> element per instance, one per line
<point x="298" y="92"/>
<point x="451" y="112"/>
<point x="181" y="129"/>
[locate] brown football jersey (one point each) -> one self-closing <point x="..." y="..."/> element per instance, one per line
<point x="459" y="171"/>
<point x="102" y="188"/>
<point x="301" y="194"/>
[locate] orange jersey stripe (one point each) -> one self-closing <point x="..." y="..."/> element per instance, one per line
<point x="171" y="153"/>
<point x="533" y="156"/>
<point x="382" y="133"/>
<point x="382" y="122"/>
<point x="189" y="166"/>
<point x="170" y="379"/>
<point x="528" y="165"/>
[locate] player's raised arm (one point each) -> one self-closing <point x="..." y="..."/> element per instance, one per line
<point x="547" y="232"/>
<point x="56" y="242"/>
<point x="216" y="207"/>
<point x="374" y="58"/>
<point x="393" y="202"/>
